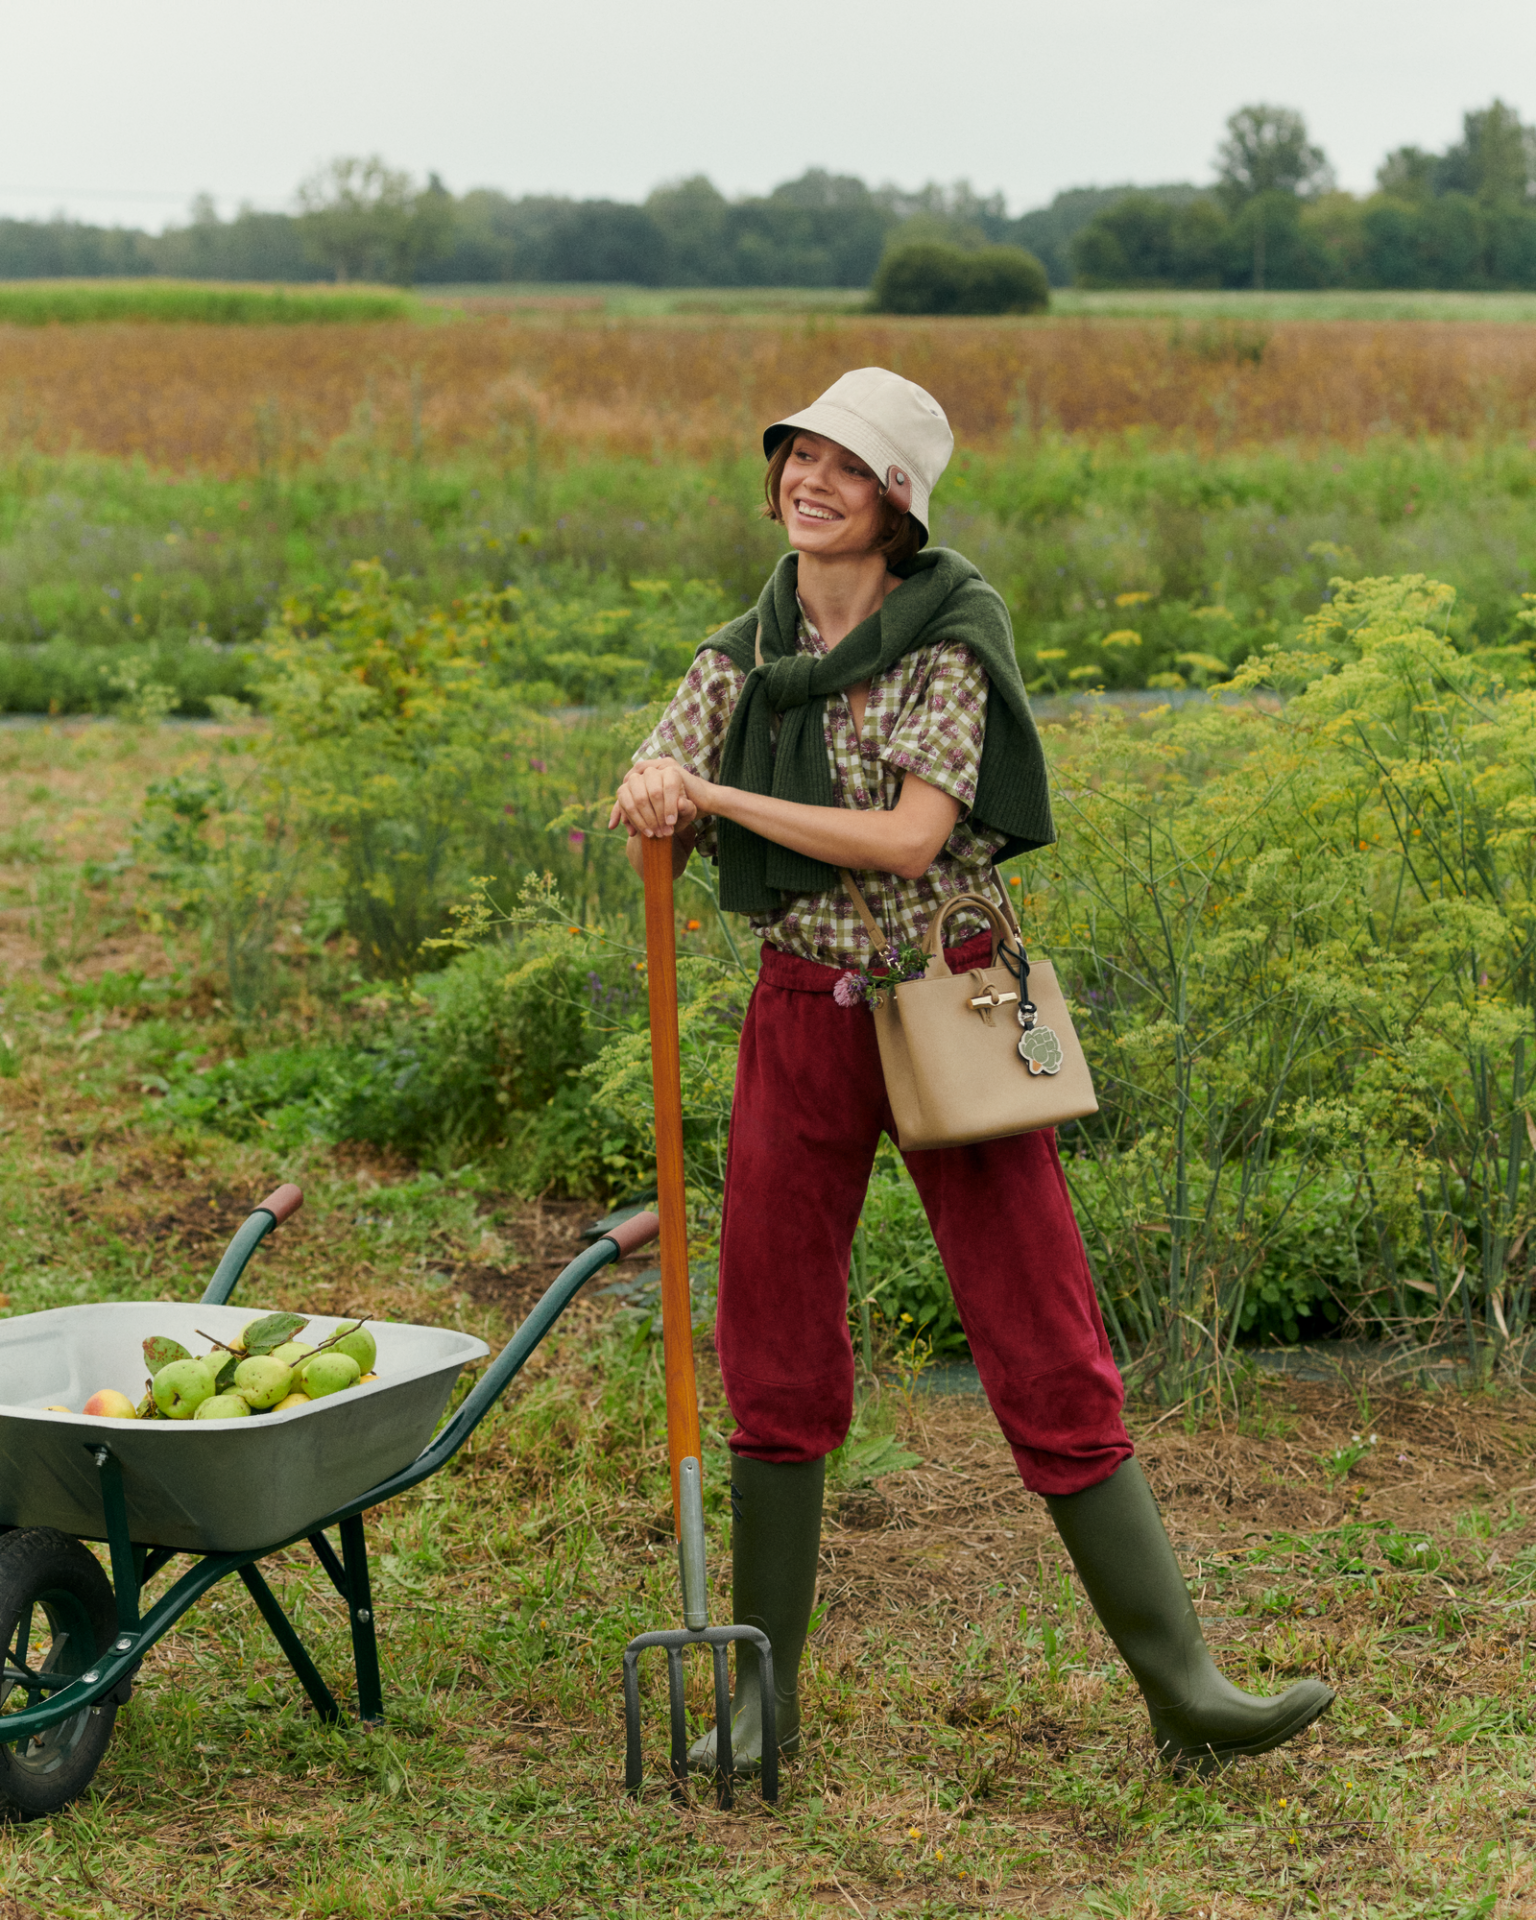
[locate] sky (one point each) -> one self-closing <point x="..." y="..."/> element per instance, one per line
<point x="121" y="114"/>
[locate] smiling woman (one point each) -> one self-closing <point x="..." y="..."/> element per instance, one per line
<point x="868" y="718"/>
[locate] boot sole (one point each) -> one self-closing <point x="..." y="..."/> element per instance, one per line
<point x="1219" y="1753"/>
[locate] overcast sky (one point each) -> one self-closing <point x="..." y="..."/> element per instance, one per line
<point x="122" y="112"/>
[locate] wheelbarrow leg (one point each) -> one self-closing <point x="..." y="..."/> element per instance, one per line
<point x="365" y="1646"/>
<point x="298" y="1655"/>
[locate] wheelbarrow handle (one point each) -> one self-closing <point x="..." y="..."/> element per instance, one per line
<point x="279" y="1205"/>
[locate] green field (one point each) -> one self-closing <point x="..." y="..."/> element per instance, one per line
<point x="114" y="576"/>
<point x="42" y="303"/>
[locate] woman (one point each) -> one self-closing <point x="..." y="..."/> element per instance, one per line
<point x="869" y="716"/>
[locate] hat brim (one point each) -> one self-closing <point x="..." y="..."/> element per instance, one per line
<point x="859" y="437"/>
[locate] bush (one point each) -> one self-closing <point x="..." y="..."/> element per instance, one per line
<point x="927" y="277"/>
<point x="486" y="1056"/>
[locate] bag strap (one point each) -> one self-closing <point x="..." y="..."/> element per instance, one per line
<point x="871" y="926"/>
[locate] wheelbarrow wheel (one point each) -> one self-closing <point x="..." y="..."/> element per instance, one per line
<point x="56" y="1616"/>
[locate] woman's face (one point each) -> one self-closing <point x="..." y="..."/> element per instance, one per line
<point x="829" y="500"/>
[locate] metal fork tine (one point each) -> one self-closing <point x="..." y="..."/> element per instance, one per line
<point x="633" y="1772"/>
<point x="677" y="1703"/>
<point x="724" y="1759"/>
<point x="770" y="1717"/>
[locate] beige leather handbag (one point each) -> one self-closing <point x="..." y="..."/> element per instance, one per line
<point x="978" y="1055"/>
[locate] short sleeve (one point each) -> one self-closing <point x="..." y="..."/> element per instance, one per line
<point x="692" y="730"/>
<point x="939" y="734"/>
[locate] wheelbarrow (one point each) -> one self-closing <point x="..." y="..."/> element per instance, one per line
<point x="224" y="1493"/>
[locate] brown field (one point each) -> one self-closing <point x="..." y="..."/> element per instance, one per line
<point x="236" y="399"/>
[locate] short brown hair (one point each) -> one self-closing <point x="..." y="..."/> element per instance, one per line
<point x="900" y="538"/>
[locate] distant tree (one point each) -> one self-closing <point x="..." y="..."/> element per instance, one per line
<point x="1267" y="151"/>
<point x="605" y="240"/>
<point x="691" y="216"/>
<point x="1145" y="240"/>
<point x="927" y="277"/>
<point x="1407" y="173"/>
<point x="1494" y="161"/>
<point x="1048" y="232"/>
<point x="361" y="217"/>
<point x="1266" y="158"/>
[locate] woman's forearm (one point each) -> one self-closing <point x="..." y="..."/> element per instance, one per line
<point x="904" y="839"/>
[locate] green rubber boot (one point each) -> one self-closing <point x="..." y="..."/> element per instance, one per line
<point x="1116" y="1539"/>
<point x="775" y="1550"/>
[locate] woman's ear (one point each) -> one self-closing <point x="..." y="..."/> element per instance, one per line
<point x="898" y="489"/>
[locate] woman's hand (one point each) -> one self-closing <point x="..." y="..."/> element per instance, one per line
<point x="656" y="799"/>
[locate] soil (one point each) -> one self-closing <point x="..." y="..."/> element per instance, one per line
<point x="946" y="1533"/>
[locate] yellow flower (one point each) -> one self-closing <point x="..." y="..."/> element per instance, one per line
<point x="1122" y="637"/>
<point x="1013" y="880"/>
<point x="1132" y="599"/>
<point x="913" y="1833"/>
<point x="938" y="1853"/>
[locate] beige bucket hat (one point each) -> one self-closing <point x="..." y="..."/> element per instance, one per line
<point x="890" y="423"/>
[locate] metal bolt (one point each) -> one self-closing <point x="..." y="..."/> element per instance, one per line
<point x="364" y="1615"/>
<point x="124" y="1644"/>
<point x="92" y="1675"/>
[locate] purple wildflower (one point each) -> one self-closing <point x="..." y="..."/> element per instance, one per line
<point x="848" y="991"/>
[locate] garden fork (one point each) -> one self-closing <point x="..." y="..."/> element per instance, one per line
<point x="682" y="1396"/>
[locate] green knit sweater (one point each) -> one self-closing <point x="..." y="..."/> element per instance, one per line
<point x="942" y="598"/>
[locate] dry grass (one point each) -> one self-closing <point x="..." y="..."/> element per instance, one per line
<point x="233" y="399"/>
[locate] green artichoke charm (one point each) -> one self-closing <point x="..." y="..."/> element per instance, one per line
<point x="1040" y="1050"/>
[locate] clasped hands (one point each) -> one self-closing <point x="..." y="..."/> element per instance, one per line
<point x="657" y="798"/>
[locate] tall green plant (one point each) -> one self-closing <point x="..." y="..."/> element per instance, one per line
<point x="1423" y="758"/>
<point x="415" y="764"/>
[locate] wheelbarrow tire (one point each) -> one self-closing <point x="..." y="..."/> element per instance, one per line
<point x="48" y="1573"/>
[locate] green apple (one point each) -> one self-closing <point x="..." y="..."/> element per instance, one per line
<point x="224" y="1406"/>
<point x="291" y="1352"/>
<point x="360" y="1343"/>
<point x="329" y="1373"/>
<point x="181" y="1387"/>
<point x="263" y="1380"/>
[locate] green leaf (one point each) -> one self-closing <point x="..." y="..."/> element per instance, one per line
<point x="160" y="1352"/>
<point x="869" y="1459"/>
<point x="261" y="1336"/>
<point x="227" y="1372"/>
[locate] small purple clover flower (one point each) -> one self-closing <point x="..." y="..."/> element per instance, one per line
<point x="848" y="990"/>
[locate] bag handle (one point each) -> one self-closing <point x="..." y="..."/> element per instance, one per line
<point x="1004" y="932"/>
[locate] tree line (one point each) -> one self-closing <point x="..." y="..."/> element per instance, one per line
<point x="1464" y="218"/>
<point x="358" y="219"/>
<point x="1273" y="218"/>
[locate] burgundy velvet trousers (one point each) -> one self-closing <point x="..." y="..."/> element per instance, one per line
<point x="809" y="1110"/>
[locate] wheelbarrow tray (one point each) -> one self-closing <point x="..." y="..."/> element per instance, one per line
<point x="204" y="1486"/>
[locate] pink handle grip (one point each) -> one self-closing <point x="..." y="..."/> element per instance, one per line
<point x="634" y="1232"/>
<point x="285" y="1200"/>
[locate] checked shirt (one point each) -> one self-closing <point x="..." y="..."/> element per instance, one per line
<point x="926" y="716"/>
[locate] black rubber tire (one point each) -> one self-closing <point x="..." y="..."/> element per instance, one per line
<point x="46" y="1572"/>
